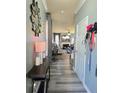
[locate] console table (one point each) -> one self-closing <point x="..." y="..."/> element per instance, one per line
<point x="40" y="73"/>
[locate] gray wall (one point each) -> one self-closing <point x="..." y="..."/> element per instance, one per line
<point x="29" y="42"/>
<point x="29" y="48"/>
<point x="89" y="9"/>
<point x="49" y="36"/>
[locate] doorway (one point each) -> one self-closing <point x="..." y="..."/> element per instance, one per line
<point x="57" y="38"/>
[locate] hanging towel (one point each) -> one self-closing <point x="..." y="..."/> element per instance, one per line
<point x="93" y="38"/>
<point x="89" y="27"/>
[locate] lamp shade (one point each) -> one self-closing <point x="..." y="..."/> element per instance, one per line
<point x="35" y="38"/>
<point x="39" y="46"/>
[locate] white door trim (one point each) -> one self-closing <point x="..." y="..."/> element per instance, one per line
<point x="76" y="46"/>
<point x="88" y="90"/>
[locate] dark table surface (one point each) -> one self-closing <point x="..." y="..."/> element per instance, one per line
<point x="39" y="72"/>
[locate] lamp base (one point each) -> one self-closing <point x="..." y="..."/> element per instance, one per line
<point x="37" y="61"/>
<point x="41" y="58"/>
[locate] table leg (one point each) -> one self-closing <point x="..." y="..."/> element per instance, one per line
<point x="45" y="86"/>
<point x="49" y="72"/>
<point x="32" y="86"/>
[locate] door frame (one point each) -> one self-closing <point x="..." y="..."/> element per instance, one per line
<point x="76" y="35"/>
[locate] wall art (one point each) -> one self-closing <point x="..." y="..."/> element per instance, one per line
<point x="35" y="18"/>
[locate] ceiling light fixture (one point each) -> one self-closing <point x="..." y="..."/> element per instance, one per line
<point x="62" y="11"/>
<point x="69" y="33"/>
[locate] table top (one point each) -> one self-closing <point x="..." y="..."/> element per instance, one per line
<point x="39" y="72"/>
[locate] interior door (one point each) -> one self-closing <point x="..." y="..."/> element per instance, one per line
<point x="80" y="51"/>
<point x="57" y="38"/>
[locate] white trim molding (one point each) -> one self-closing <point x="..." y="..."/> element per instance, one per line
<point x="88" y="90"/>
<point x="45" y="5"/>
<point x="80" y="4"/>
<point x="83" y="82"/>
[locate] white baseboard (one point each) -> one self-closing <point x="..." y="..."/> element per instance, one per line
<point x="85" y="86"/>
<point x="73" y="69"/>
<point x="88" y="91"/>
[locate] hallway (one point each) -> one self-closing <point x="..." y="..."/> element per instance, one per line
<point x="63" y="78"/>
<point x="55" y="25"/>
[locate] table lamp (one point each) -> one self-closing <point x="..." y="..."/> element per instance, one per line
<point x="39" y="49"/>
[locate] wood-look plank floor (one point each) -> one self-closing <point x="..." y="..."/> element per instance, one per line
<point x="63" y="78"/>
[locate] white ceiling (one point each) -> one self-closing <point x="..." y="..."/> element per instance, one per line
<point x="62" y="22"/>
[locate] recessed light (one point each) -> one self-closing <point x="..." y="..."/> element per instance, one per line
<point x="62" y="11"/>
